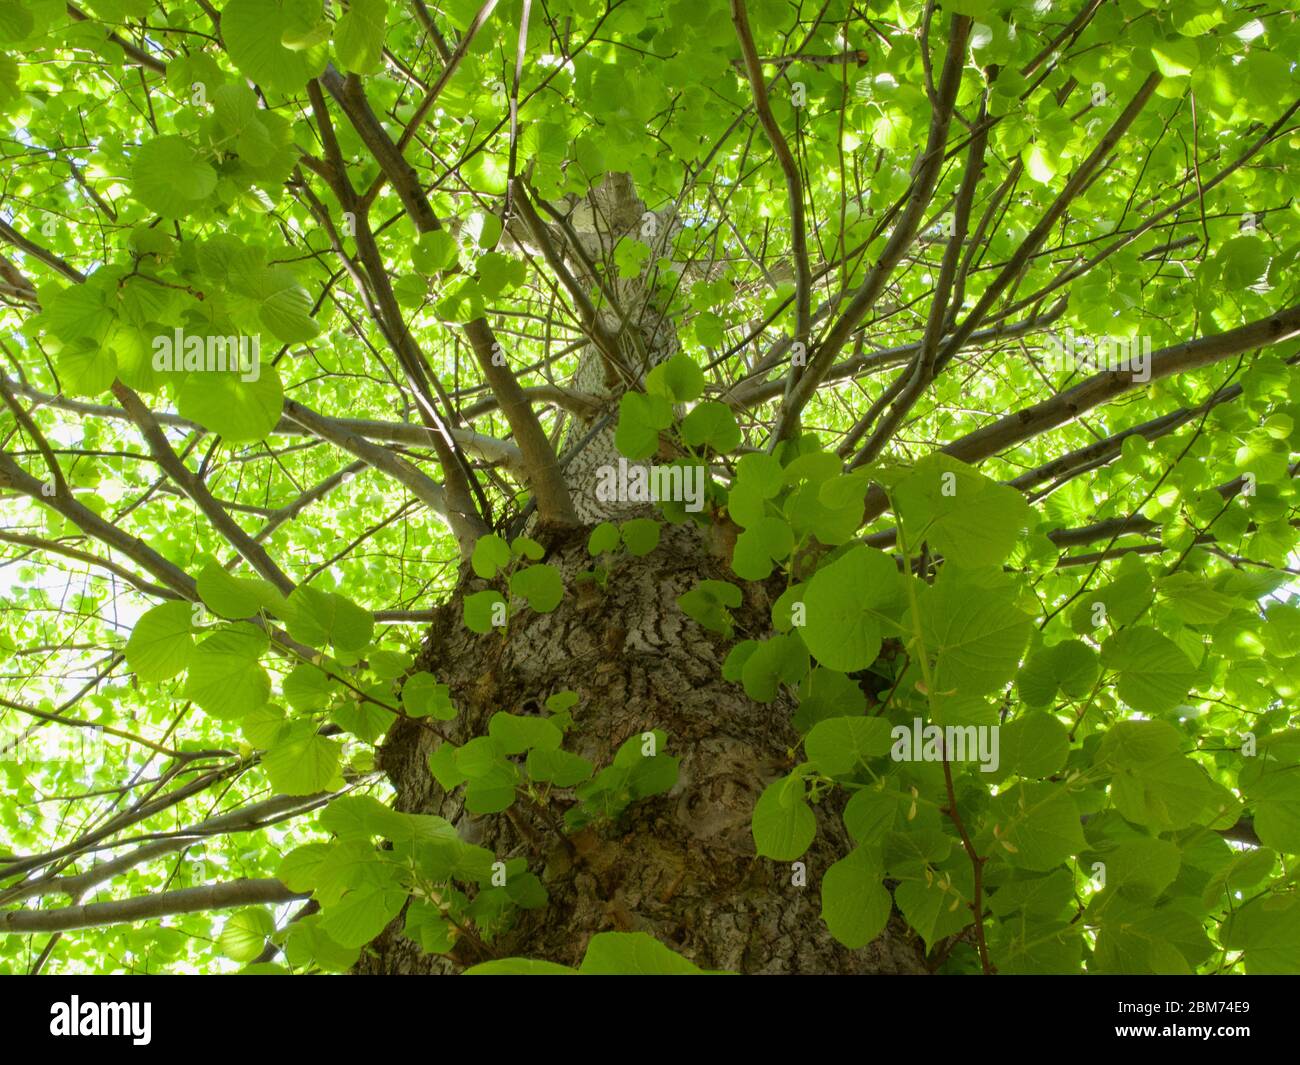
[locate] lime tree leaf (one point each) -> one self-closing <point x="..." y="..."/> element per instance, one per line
<point x="1070" y="667"/>
<point x="318" y="618"/>
<point x="519" y="967"/>
<point x="936" y="907"/>
<point x="235" y="597"/>
<point x="640" y="536"/>
<point x="1275" y="797"/>
<point x="1172" y="792"/>
<point x="976" y="634"/>
<point x="484" y="610"/>
<point x="1141" y="868"/>
<point x="1035" y="745"/>
<point x="161" y="644"/>
<point x="225" y="679"/>
<point x="765" y="542"/>
<point x="560" y="768"/>
<point x="300" y="761"/>
<point x="640" y="420"/>
<point x="287" y="314"/>
<point x="170" y="177"/>
<point x="515" y="734"/>
<point x="239" y="411"/>
<point x="1035" y="826"/>
<point x="359" y="36"/>
<point x="423" y="696"/>
<point x="541" y="585"/>
<point x="258" y="34"/>
<point x="710" y="603"/>
<point x="968" y="518"/>
<point x="604" y="539"/>
<point x="679" y="379"/>
<point x="308" y="687"/>
<point x="849" y="604"/>
<point x="491" y="553"/>
<point x="307" y="945"/>
<point x="855" y="904"/>
<point x="244" y="934"/>
<point x="633" y="954"/>
<point x="783" y="822"/>
<point x="711" y="424"/>
<point x="841" y="744"/>
<point x="1154" y="673"/>
<point x="434" y="252"/>
<point x="1268" y="930"/>
<point x="361" y="915"/>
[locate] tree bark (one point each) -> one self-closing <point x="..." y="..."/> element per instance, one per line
<point x="680" y="866"/>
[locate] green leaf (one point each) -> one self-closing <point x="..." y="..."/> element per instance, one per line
<point x="710" y="603"/>
<point x="1070" y="667"/>
<point x="968" y="518"/>
<point x="1175" y="58"/>
<point x="711" y="424"/>
<point x="1154" y="674"/>
<point x="633" y="954"/>
<point x="318" y="618"/>
<point x="840" y="745"/>
<point x="936" y="907"/>
<point x="1035" y="745"/>
<point x="515" y="734"/>
<point x="287" y="314"/>
<point x="975" y="632"/>
<point x="483" y="610"/>
<point x="855" y="905"/>
<point x="244" y="934"/>
<point x="423" y="696"/>
<point x="640" y="536"/>
<point x="519" y="967"/>
<point x="783" y="822"/>
<point x="434" y="252"/>
<point x="170" y="177"/>
<point x="1268" y="930"/>
<point x="361" y="915"/>
<point x="557" y="767"/>
<point x="766" y="541"/>
<point x="1035" y="826"/>
<point x="237" y="410"/>
<point x="256" y="33"/>
<point x="359" y="36"/>
<point x="491" y="553"/>
<point x="849" y="604"/>
<point x="679" y="379"/>
<point x="640" y="420"/>
<point x="225" y="679"/>
<point x="541" y="585"/>
<point x="161" y="645"/>
<point x="1275" y="796"/>
<point x="307" y="687"/>
<point x="235" y="597"/>
<point x="301" y="762"/>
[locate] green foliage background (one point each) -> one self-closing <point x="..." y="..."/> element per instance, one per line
<point x="166" y="166"/>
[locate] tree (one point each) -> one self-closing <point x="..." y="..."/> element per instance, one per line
<point x="767" y="487"/>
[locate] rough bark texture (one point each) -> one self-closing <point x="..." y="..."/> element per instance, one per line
<point x="679" y="866"/>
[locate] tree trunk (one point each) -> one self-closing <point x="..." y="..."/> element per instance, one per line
<point x="680" y="866"/>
